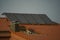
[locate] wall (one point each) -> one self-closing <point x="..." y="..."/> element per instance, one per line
<point x="4" y="24"/>
<point x="4" y="29"/>
<point x="46" y="32"/>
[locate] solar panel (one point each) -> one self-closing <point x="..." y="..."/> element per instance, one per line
<point x="22" y="19"/>
<point x="37" y="18"/>
<point x="29" y="18"/>
<point x="46" y="19"/>
<point x="11" y="17"/>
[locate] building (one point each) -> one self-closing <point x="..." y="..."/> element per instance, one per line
<point x="33" y="27"/>
<point x="4" y="29"/>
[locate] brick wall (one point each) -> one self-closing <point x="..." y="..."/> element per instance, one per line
<point x="4" y="29"/>
<point x="4" y="23"/>
<point x="46" y="32"/>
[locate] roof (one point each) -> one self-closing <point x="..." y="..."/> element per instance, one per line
<point x="25" y="18"/>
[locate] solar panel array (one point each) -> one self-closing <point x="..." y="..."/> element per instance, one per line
<point x="29" y="18"/>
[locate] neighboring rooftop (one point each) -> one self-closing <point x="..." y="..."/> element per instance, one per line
<point x="25" y="18"/>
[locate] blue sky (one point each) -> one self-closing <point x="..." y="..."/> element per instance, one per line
<point x="49" y="7"/>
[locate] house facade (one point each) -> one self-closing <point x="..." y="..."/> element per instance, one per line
<point x="32" y="27"/>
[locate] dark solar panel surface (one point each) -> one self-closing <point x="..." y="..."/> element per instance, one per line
<point x="29" y="18"/>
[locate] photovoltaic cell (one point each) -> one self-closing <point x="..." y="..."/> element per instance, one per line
<point x="38" y="19"/>
<point x="21" y="19"/>
<point x="46" y="19"/>
<point x="29" y="18"/>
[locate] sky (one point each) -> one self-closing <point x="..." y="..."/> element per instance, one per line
<point x="49" y="7"/>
